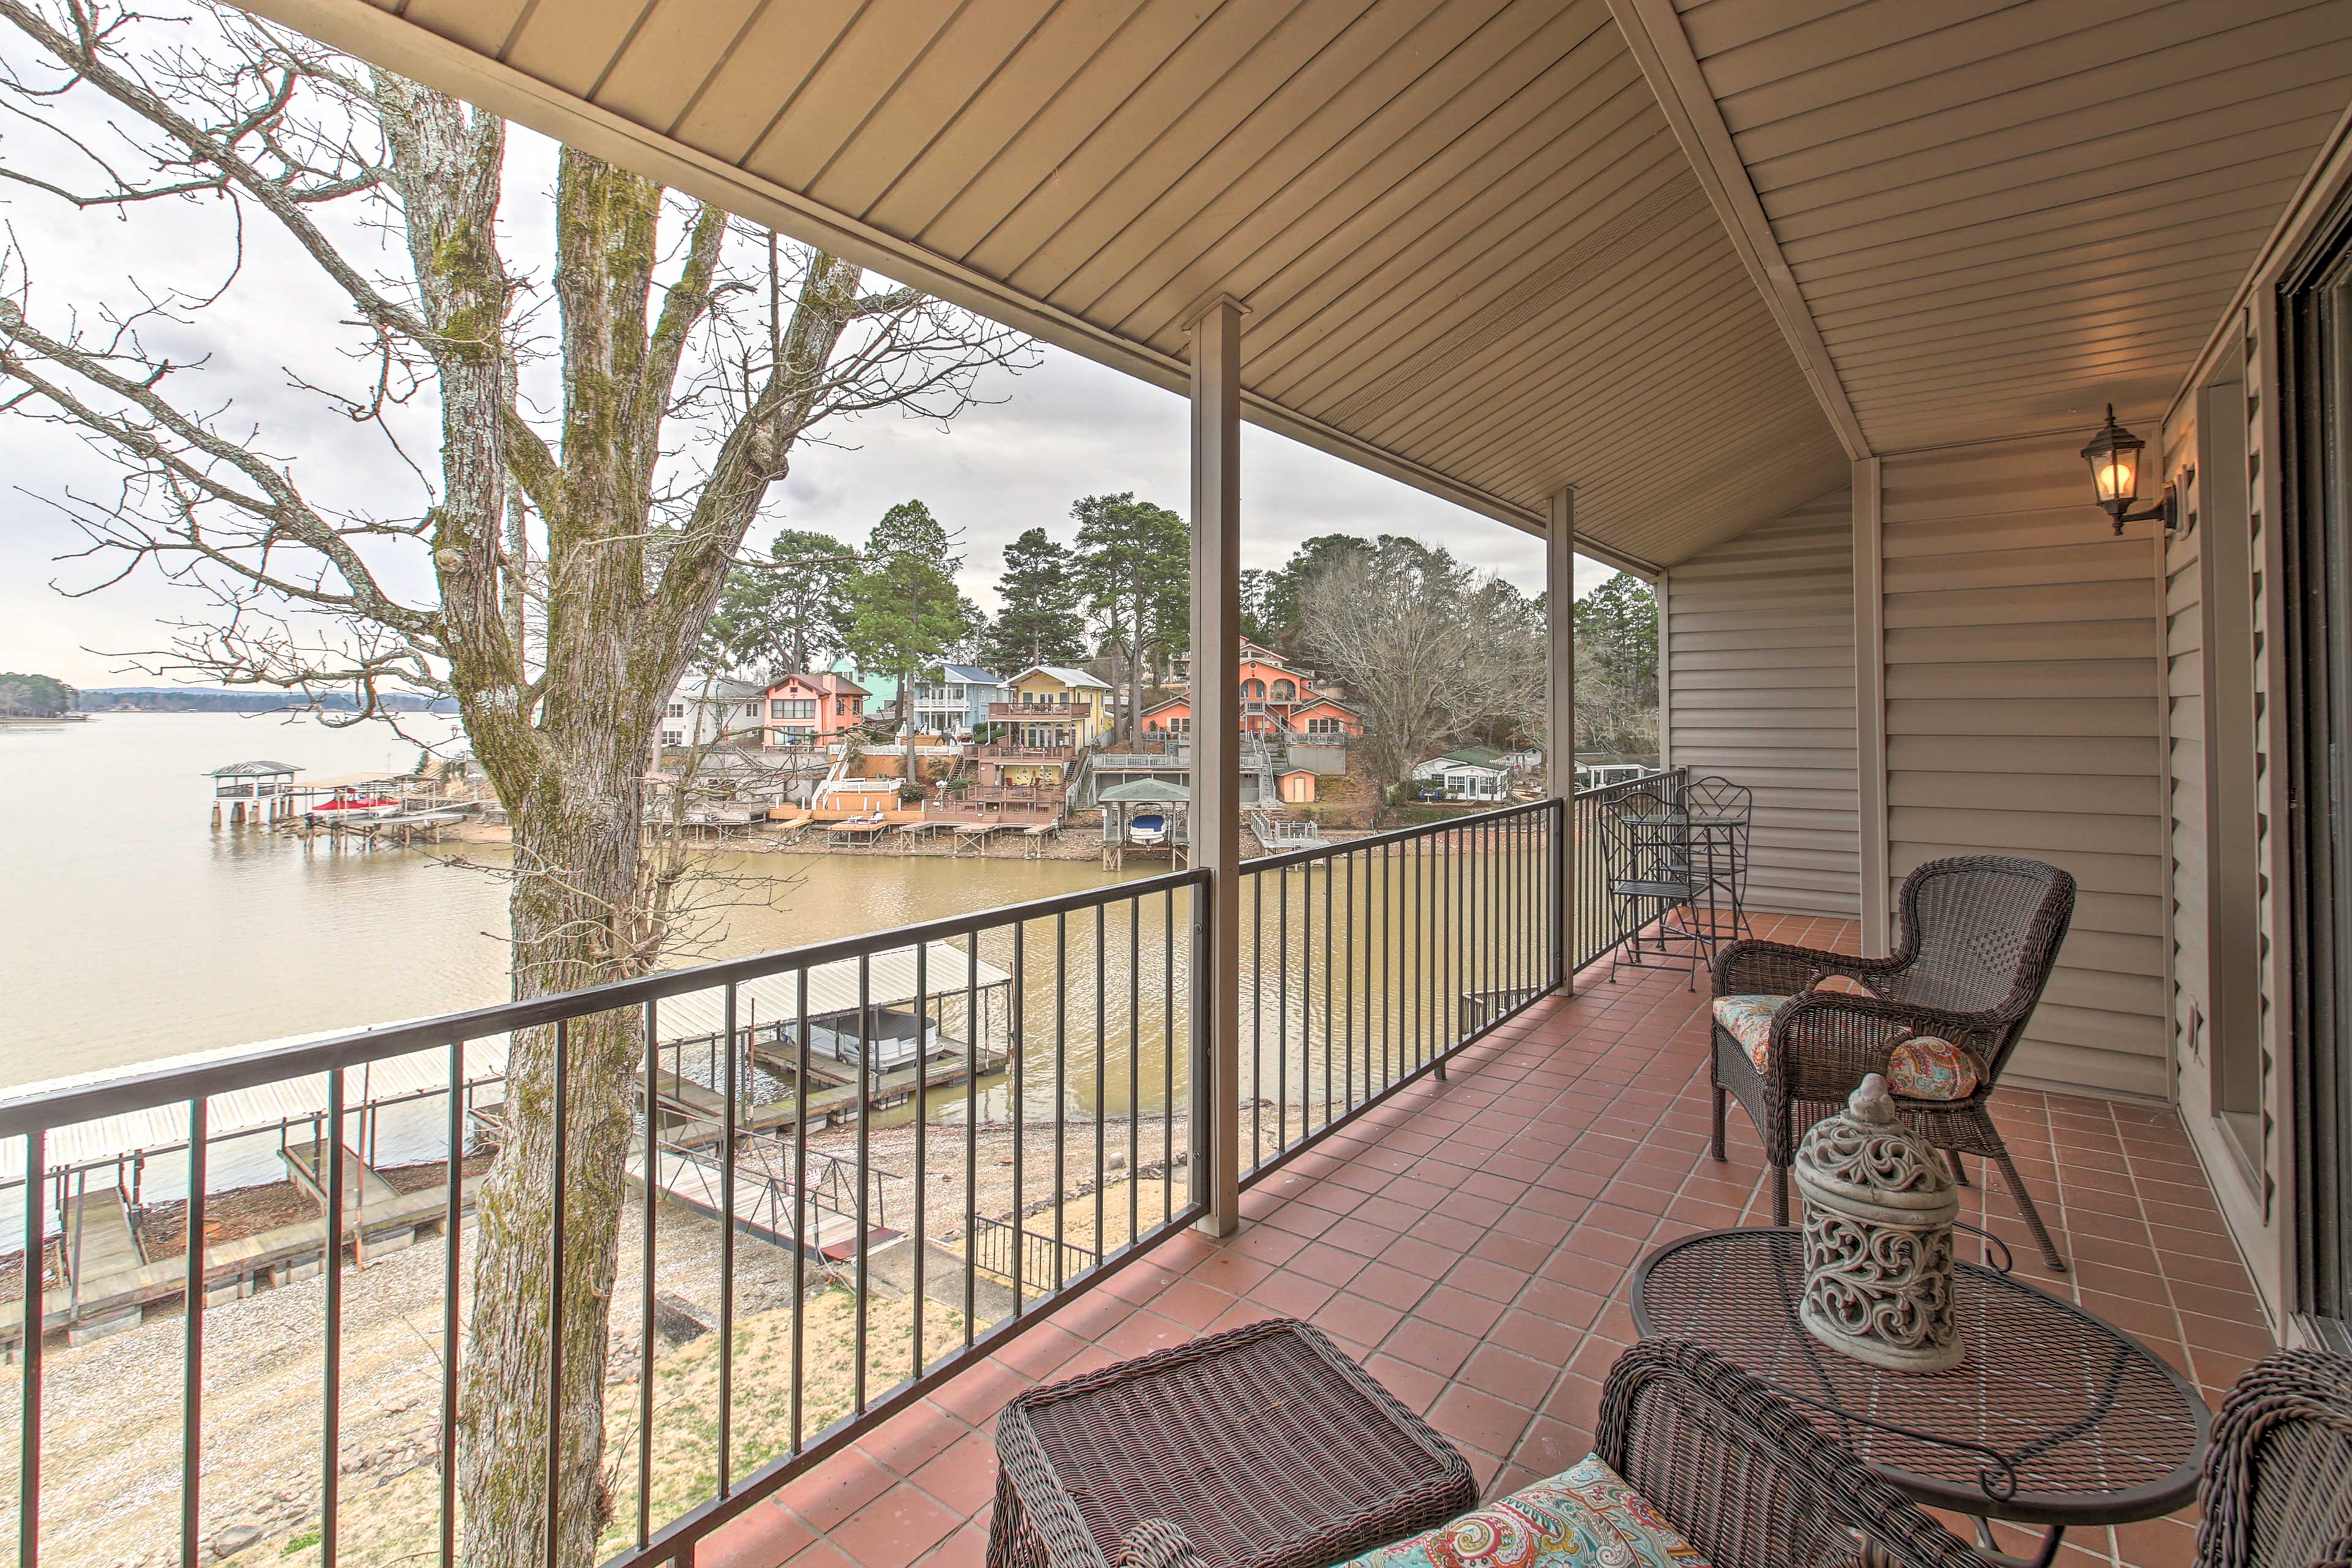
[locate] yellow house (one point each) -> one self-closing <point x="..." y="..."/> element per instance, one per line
<point x="1054" y="706"/>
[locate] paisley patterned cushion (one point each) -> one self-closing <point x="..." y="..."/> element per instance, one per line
<point x="1923" y="1068"/>
<point x="1584" y="1517"/>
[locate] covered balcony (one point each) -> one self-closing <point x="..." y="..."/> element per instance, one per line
<point x="1472" y="1243"/>
<point x="1803" y="313"/>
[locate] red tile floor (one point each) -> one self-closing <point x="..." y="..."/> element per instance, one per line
<point x="1471" y="1242"/>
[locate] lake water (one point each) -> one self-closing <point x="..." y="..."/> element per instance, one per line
<point x="132" y="930"/>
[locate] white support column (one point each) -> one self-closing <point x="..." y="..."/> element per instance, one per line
<point x="1560" y="742"/>
<point x="1216" y="733"/>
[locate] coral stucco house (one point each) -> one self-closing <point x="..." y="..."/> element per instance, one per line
<point x="1278" y="697"/>
<point x="809" y="707"/>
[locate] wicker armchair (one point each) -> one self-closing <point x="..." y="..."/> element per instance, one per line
<point x="2278" y="1479"/>
<point x="1745" y="1478"/>
<point x="1977" y="937"/>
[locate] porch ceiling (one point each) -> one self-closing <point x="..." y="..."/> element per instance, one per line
<point x="1473" y="255"/>
<point x="1486" y="247"/>
<point x="2001" y="216"/>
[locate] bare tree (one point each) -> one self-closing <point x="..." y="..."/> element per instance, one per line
<point x="1432" y="651"/>
<point x="1388" y="622"/>
<point x="695" y="358"/>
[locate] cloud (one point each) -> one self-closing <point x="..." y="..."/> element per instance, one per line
<point x="1065" y="428"/>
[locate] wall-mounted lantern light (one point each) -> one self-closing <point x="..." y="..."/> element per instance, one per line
<point x="2114" y="455"/>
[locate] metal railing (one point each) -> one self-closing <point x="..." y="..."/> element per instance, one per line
<point x="1047" y="1113"/>
<point x="1080" y="1010"/>
<point x="1005" y="751"/>
<point x="1009" y="1251"/>
<point x="1363" y="962"/>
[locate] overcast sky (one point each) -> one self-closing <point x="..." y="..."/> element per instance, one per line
<point x="1065" y="428"/>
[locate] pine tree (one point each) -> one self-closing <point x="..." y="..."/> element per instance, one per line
<point x="905" y="611"/>
<point x="1135" y="560"/>
<point x="1040" y="622"/>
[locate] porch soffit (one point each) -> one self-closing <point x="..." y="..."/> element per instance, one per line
<point x="1474" y="256"/>
<point x="2002" y="216"/>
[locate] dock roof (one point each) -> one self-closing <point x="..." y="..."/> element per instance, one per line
<point x="833" y="988"/>
<point x="239" y="1111"/>
<point x="252" y="769"/>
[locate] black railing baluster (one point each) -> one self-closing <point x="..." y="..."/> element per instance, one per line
<point x="1019" y="1110"/>
<point x="331" y="1150"/>
<point x="975" y="1037"/>
<point x="1384" y="934"/>
<point x="1282" y="1012"/>
<point x="1167" y="1057"/>
<point x="922" y="1133"/>
<point x="1348" y="1037"/>
<point x="802" y="1223"/>
<point x="1102" y="1024"/>
<point x="36" y="1310"/>
<point x="1257" y="1018"/>
<point x="1134" y="1069"/>
<point x="729" y="1125"/>
<point x="552" y="1524"/>
<point x="645" y="1264"/>
<point x="865" y="1168"/>
<point x="1331" y="876"/>
<point x="192" y="1394"/>
<point x="452" y="1225"/>
<point x="1061" y="1081"/>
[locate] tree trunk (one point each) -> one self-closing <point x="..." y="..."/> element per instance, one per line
<point x="566" y="935"/>
<point x="1134" y="678"/>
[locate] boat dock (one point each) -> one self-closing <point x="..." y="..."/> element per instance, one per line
<point x="954" y="1047"/>
<point x="863" y="1019"/>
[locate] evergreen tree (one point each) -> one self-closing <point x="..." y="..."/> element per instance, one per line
<point x="1617" y="667"/>
<point x="1280" y="610"/>
<point x="786" y="614"/>
<point x="905" y="611"/>
<point x="1039" y="622"/>
<point x="1135" y="560"/>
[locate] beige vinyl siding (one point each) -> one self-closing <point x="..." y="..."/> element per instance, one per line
<point x="2023" y="692"/>
<point x="1759" y="680"/>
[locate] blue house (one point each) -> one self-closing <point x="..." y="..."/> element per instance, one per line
<point x="957" y="699"/>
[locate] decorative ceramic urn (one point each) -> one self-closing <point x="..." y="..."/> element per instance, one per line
<point x="1879" y="1207"/>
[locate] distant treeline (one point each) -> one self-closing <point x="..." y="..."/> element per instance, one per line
<point x="197" y="700"/>
<point x="34" y="696"/>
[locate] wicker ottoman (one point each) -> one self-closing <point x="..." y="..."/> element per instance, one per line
<point x="1265" y="1448"/>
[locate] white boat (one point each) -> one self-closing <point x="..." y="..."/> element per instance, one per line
<point x="1148" y="830"/>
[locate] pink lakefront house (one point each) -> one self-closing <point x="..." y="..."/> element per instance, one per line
<point x="810" y="708"/>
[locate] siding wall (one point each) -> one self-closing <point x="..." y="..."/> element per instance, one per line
<point x="2219" y="920"/>
<point x="2024" y="716"/>
<point x="1760" y="676"/>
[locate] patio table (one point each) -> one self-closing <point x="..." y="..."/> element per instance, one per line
<point x="2055" y="1418"/>
<point x="1266" y="1446"/>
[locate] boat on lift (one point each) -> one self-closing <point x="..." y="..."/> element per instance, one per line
<point x="351" y="804"/>
<point x="1148" y="831"/>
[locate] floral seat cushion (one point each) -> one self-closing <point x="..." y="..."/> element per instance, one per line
<point x="1921" y="1068"/>
<point x="1586" y="1517"/>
